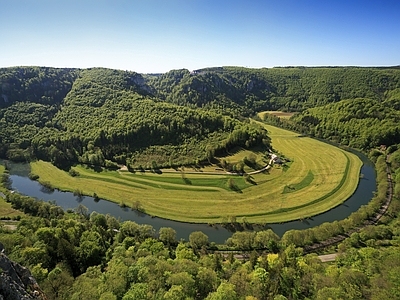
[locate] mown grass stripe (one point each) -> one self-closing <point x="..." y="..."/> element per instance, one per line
<point x="301" y="185"/>
<point x="284" y="210"/>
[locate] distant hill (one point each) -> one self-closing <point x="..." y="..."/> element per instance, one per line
<point x="42" y="85"/>
<point x="360" y="123"/>
<point x="103" y="116"/>
<point x="252" y="90"/>
<point x="108" y="117"/>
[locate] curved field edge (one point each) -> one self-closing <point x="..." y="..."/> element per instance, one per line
<point x="316" y="206"/>
<point x="209" y="201"/>
<point x="344" y="190"/>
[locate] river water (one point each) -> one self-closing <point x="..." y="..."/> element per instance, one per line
<point x="24" y="185"/>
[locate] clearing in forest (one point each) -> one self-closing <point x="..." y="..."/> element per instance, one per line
<point x="277" y="113"/>
<point x="313" y="177"/>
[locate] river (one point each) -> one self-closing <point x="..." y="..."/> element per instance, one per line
<point x="218" y="234"/>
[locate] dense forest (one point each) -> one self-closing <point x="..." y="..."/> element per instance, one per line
<point x="102" y="116"/>
<point x="360" y="123"/>
<point x="252" y="90"/>
<point x="108" y="117"/>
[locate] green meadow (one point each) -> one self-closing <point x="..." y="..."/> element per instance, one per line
<point x="6" y="211"/>
<point x="314" y="178"/>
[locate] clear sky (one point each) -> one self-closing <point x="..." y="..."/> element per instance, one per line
<point x="155" y="36"/>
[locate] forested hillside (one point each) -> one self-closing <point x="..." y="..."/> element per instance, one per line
<point x="30" y="97"/>
<point x="110" y="117"/>
<point x="252" y="90"/>
<point x="359" y="123"/>
<point x="35" y="84"/>
<point x="103" y="117"/>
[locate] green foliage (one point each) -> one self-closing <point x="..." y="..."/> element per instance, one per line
<point x="167" y="235"/>
<point x="198" y="239"/>
<point x="111" y="116"/>
<point x="74" y="257"/>
<point x="225" y="291"/>
<point x="35" y="84"/>
<point x="242" y="91"/>
<point x="360" y="123"/>
<point x="54" y="114"/>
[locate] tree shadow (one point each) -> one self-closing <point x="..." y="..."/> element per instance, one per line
<point x="47" y="190"/>
<point x="250" y="180"/>
<point x="187" y="181"/>
<point x="305" y="221"/>
<point x="156" y="171"/>
<point x="96" y="168"/>
<point x="236" y="189"/>
<point x="236" y="226"/>
<point x="139" y="213"/>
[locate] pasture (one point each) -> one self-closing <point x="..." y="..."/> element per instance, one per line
<point x="315" y="178"/>
<point x="6" y="211"/>
<point x="280" y="114"/>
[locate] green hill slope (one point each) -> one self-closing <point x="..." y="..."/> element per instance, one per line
<point x="111" y="115"/>
<point x="99" y="115"/>
<point x="360" y="123"/>
<point x="252" y="90"/>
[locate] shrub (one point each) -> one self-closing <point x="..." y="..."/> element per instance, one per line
<point x="73" y="173"/>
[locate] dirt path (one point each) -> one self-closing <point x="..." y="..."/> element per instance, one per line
<point x="267" y="167"/>
<point x="9" y="224"/>
<point x="328" y="257"/>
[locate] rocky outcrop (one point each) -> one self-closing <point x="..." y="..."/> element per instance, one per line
<point x="16" y="282"/>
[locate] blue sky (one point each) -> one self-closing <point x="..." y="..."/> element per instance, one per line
<point x="154" y="36"/>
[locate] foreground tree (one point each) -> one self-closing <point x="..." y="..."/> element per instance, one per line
<point x="198" y="239"/>
<point x="167" y="235"/>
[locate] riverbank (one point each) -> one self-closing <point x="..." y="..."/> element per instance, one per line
<point x="372" y="220"/>
<point x="283" y="193"/>
<point x="218" y="234"/>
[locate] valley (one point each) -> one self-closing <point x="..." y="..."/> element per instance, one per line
<point x="231" y="154"/>
<point x="207" y="195"/>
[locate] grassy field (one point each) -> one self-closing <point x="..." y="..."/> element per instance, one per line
<point x="319" y="176"/>
<point x="280" y="114"/>
<point x="6" y="211"/>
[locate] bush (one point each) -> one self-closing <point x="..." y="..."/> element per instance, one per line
<point x="73" y="173"/>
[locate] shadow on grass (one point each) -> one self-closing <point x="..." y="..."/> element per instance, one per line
<point x="232" y="185"/>
<point x="236" y="189"/>
<point x="156" y="171"/>
<point x="97" y="169"/>
<point x="187" y="181"/>
<point x="250" y="180"/>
